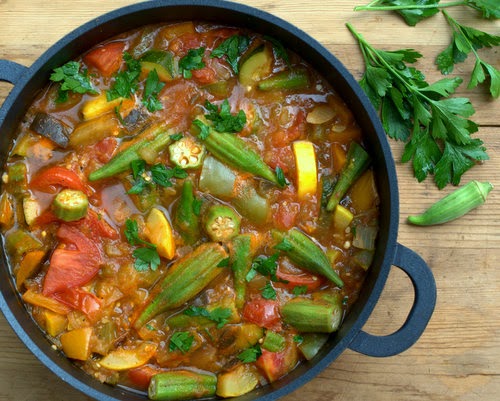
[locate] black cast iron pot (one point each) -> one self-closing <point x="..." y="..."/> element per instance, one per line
<point x="27" y="83"/>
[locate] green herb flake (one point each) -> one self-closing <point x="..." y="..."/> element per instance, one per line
<point x="204" y="128"/>
<point x="285" y="245"/>
<point x="176" y="137"/>
<point x="233" y="47"/>
<point x="146" y="258"/>
<point x="250" y="354"/>
<point x="152" y="88"/>
<point x="280" y="176"/>
<point x="298" y="338"/>
<point x="193" y="60"/>
<point x="299" y="290"/>
<point x="222" y="118"/>
<point x="150" y="327"/>
<point x="266" y="266"/>
<point x="224" y="263"/>
<point x="268" y="292"/>
<point x="182" y="341"/>
<point x="218" y="315"/>
<point x="126" y="81"/>
<point x="163" y="175"/>
<point x="71" y="79"/>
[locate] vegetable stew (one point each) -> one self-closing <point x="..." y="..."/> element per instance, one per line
<point x="189" y="210"/>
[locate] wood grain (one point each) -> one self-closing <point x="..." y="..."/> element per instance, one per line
<point x="458" y="356"/>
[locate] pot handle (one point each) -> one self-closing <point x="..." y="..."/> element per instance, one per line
<point x="11" y="71"/>
<point x="423" y="306"/>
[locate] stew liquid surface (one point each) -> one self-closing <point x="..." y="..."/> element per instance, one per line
<point x="189" y="210"/>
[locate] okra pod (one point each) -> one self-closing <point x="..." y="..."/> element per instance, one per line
<point x="181" y="385"/>
<point x="306" y="254"/>
<point x="185" y="218"/>
<point x="222" y="223"/>
<point x="184" y="280"/>
<point x="159" y="139"/>
<point x="274" y="342"/>
<point x="241" y="257"/>
<point x="313" y="315"/>
<point x="454" y="205"/>
<point x="288" y="79"/>
<point x="357" y="162"/>
<point x="231" y="149"/>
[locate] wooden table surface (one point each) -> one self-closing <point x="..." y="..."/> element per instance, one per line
<point x="458" y="356"/>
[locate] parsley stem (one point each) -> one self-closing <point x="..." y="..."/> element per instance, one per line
<point x="455" y="26"/>
<point x="372" y="7"/>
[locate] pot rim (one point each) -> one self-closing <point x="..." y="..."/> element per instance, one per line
<point x="292" y="381"/>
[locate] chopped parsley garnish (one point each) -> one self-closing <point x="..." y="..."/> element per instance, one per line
<point x="152" y="88"/>
<point x="434" y="125"/>
<point x="224" y="263"/>
<point x="218" y="315"/>
<point x="193" y="60"/>
<point x="279" y="49"/>
<point x="298" y="338"/>
<point x="280" y="175"/>
<point x="176" y="137"/>
<point x="268" y="292"/>
<point x="232" y="48"/>
<point x="266" y="266"/>
<point x="204" y="128"/>
<point x="250" y="354"/>
<point x="182" y="341"/>
<point x="71" y="80"/>
<point x="145" y="257"/>
<point x="158" y="174"/>
<point x="126" y="81"/>
<point x="285" y="245"/>
<point x="299" y="290"/>
<point x="468" y="40"/>
<point x="222" y="118"/>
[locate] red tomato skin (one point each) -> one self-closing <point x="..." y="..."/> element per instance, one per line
<point x="57" y="176"/>
<point x="263" y="312"/>
<point x="142" y="375"/>
<point x="311" y="281"/>
<point x="105" y="149"/>
<point x="70" y="267"/>
<point x="277" y="364"/>
<point x="204" y="76"/>
<point x="107" y="59"/>
<point x="79" y="299"/>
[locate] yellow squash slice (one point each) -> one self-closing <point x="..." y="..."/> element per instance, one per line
<point x="160" y="233"/>
<point x="306" y="166"/>
<point x="125" y="358"/>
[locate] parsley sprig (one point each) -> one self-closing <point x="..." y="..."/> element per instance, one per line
<point x="126" y="81"/>
<point x="182" y="341"/>
<point x="265" y="265"/>
<point x="434" y="125"/>
<point x="218" y="315"/>
<point x="193" y="60"/>
<point x="468" y="40"/>
<point x="251" y="354"/>
<point x="71" y="79"/>
<point x="146" y="257"/>
<point x="152" y="88"/>
<point x="222" y="118"/>
<point x="232" y="48"/>
<point x="414" y="11"/>
<point x="159" y="174"/>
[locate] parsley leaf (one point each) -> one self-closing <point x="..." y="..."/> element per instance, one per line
<point x="204" y="128"/>
<point x="266" y="266"/>
<point x="299" y="290"/>
<point x="218" y="315"/>
<point x="250" y="354"/>
<point x="284" y="245"/>
<point x="280" y="176"/>
<point x="176" y="137"/>
<point x="414" y="11"/>
<point x="126" y="81"/>
<point x="233" y="47"/>
<point x="435" y="126"/>
<point x="182" y="341"/>
<point x="268" y="292"/>
<point x="163" y="175"/>
<point x="279" y="49"/>
<point x="146" y="258"/>
<point x="193" y="60"/>
<point x="298" y="338"/>
<point x="159" y="174"/>
<point x="71" y="80"/>
<point x="222" y="118"/>
<point x="468" y="40"/>
<point x="152" y="88"/>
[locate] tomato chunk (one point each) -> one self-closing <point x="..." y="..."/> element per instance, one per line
<point x="262" y="312"/>
<point x="70" y="267"/>
<point x="290" y="281"/>
<point x="142" y="375"/>
<point x="79" y="299"/>
<point x="57" y="176"/>
<point x="107" y="59"/>
<point x="278" y="364"/>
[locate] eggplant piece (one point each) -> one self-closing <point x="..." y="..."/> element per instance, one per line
<point x="51" y="128"/>
<point x="135" y="119"/>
